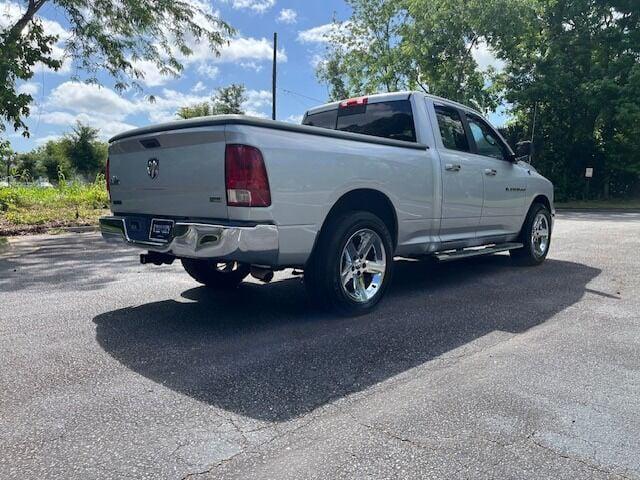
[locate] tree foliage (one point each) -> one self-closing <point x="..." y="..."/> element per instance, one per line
<point x="86" y="154"/>
<point x="364" y="54"/>
<point x="575" y="63"/>
<point x="226" y="101"/>
<point x="105" y="36"/>
<point x="79" y="153"/>
<point x="391" y="45"/>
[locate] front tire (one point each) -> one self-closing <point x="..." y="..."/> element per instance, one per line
<point x="353" y="263"/>
<point x="535" y="236"/>
<point x="219" y="275"/>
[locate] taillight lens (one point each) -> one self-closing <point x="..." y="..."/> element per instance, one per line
<point x="246" y="177"/>
<point x="107" y="178"/>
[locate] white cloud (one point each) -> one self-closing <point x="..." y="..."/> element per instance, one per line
<point x="317" y="60"/>
<point x="46" y="138"/>
<point x="297" y="119"/>
<point x="107" y="128"/>
<point x="319" y="34"/>
<point x="484" y="57"/>
<point x="153" y="77"/>
<point x="29" y="88"/>
<point x="288" y="16"/>
<point x="103" y="108"/>
<point x="257" y="99"/>
<point x="252" y="66"/>
<point x="250" y="49"/>
<point x="209" y="71"/>
<point x="91" y="99"/>
<point x="198" y="87"/>
<point x="258" y="6"/>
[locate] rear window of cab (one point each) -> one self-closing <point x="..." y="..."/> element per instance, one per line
<point x="393" y="120"/>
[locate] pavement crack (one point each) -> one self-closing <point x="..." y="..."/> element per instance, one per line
<point x="581" y="461"/>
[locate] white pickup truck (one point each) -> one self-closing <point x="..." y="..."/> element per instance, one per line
<point x="361" y="181"/>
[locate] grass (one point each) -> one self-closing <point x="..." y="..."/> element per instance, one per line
<point x="631" y="204"/>
<point x="26" y="209"/>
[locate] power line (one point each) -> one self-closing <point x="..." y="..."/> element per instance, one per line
<point x="301" y="95"/>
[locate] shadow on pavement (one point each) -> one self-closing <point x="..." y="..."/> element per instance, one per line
<point x="80" y="262"/>
<point x="262" y="352"/>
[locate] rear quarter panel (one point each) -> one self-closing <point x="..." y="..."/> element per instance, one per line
<point x="309" y="173"/>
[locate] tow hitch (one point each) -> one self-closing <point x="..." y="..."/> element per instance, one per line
<point x="156" y="258"/>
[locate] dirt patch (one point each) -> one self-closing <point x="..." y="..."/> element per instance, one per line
<point x="8" y="229"/>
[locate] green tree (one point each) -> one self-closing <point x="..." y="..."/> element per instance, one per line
<point x="439" y="39"/>
<point x="197" y="110"/>
<point x="6" y="154"/>
<point x="27" y="166"/>
<point x="106" y="36"/>
<point x="391" y="45"/>
<point x="364" y="55"/>
<point x="229" y="100"/>
<point x="576" y="64"/>
<point x="53" y="159"/>
<point x="226" y="101"/>
<point x="86" y="154"/>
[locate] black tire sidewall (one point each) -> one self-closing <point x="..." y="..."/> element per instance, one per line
<point x="328" y="261"/>
<point x="204" y="271"/>
<point x="525" y="237"/>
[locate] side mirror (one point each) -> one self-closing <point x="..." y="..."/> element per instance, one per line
<point x="524" y="149"/>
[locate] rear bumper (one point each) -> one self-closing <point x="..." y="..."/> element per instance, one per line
<point x="256" y="245"/>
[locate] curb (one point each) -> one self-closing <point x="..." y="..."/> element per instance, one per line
<point x="597" y="210"/>
<point x="86" y="229"/>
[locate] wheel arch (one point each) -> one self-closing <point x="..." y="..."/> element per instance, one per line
<point x="542" y="199"/>
<point x="364" y="199"/>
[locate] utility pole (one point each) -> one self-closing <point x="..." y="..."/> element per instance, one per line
<point x="8" y="166"/>
<point x="275" y="73"/>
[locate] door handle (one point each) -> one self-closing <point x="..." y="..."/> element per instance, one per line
<point x="490" y="171"/>
<point x="452" y="167"/>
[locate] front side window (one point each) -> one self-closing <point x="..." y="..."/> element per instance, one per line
<point x="451" y="129"/>
<point x="487" y="141"/>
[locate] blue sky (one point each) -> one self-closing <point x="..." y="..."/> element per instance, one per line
<point x="300" y="24"/>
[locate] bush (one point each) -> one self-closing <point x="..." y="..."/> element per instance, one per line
<point x="67" y="203"/>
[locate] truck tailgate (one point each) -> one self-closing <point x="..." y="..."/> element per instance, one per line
<point x="176" y="173"/>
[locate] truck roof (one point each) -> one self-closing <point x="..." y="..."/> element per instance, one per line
<point x="389" y="97"/>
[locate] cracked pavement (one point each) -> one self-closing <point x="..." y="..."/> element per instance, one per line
<point x="476" y="369"/>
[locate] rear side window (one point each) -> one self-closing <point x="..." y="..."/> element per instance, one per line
<point x="322" y="119"/>
<point x="451" y="129"/>
<point x="392" y="120"/>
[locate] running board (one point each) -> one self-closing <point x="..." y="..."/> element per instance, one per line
<point x="450" y="255"/>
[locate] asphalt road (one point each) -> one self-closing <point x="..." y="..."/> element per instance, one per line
<point x="476" y="369"/>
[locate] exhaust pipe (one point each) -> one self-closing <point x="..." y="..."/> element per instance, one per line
<point x="156" y="258"/>
<point x="263" y="274"/>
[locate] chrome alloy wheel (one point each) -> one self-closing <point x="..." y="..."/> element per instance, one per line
<point x="363" y="265"/>
<point x="540" y="234"/>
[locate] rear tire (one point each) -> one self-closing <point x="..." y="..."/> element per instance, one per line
<point x="219" y="275"/>
<point x="352" y="264"/>
<point x="535" y="236"/>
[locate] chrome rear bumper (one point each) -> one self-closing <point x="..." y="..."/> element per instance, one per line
<point x="256" y="245"/>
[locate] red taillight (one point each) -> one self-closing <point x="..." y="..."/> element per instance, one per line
<point x="354" y="101"/>
<point x="106" y="174"/>
<point x="246" y="177"/>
